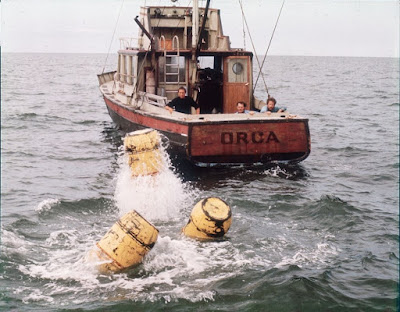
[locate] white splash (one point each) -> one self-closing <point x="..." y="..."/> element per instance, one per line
<point x="184" y="269"/>
<point x="65" y="263"/>
<point x="179" y="268"/>
<point x="12" y="243"/>
<point x="158" y="197"/>
<point x="317" y="256"/>
<point x="47" y="204"/>
<point x="277" y="172"/>
<point x="36" y="295"/>
<point x="66" y="237"/>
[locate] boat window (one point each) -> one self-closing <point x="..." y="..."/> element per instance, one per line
<point x="237" y="70"/>
<point x="182" y="69"/>
<point x="213" y="62"/>
<point x="206" y="61"/>
<point x="172" y="69"/>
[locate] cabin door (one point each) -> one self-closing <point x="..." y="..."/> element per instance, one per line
<point x="237" y="73"/>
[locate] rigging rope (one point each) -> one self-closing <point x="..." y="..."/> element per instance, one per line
<point x="112" y="38"/>
<point x="252" y="43"/>
<point x="269" y="44"/>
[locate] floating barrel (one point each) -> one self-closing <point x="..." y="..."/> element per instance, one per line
<point x="210" y="219"/>
<point x="142" y="147"/>
<point x="125" y="244"/>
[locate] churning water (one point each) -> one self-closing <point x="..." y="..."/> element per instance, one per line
<point x="318" y="236"/>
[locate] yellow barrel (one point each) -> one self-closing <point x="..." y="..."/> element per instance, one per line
<point x="142" y="140"/>
<point x="125" y="244"/>
<point x="210" y="219"/>
<point x="145" y="163"/>
<point x="142" y="147"/>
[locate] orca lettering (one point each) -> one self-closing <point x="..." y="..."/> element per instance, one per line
<point x="272" y="137"/>
<point x="241" y="136"/>
<point x="226" y="137"/>
<point x="256" y="137"/>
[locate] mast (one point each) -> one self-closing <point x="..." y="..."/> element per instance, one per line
<point x="195" y="35"/>
<point x="196" y="39"/>
<point x="201" y="34"/>
<point x="195" y="23"/>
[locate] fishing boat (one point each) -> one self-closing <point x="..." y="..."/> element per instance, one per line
<point x="172" y="44"/>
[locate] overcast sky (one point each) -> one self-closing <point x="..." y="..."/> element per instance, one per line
<point x="306" y="27"/>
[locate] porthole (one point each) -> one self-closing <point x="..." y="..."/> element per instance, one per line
<point x="237" y="68"/>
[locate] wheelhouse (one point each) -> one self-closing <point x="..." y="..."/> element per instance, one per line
<point x="168" y="55"/>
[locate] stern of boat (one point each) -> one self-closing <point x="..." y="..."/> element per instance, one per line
<point x="286" y="140"/>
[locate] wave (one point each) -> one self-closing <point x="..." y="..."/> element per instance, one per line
<point x="53" y="206"/>
<point x="25" y="116"/>
<point x="31" y="116"/>
<point x="85" y="122"/>
<point x="175" y="269"/>
<point x="320" y="254"/>
<point x="290" y="172"/>
<point x="329" y="212"/>
<point x="47" y="204"/>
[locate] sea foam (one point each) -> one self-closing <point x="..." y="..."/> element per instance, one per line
<point x="158" y="197"/>
<point x="47" y="204"/>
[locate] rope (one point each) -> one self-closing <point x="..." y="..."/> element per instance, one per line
<point x="269" y="44"/>
<point x="252" y="43"/>
<point x="140" y="70"/>
<point x="112" y="38"/>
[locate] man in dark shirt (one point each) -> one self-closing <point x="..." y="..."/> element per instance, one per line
<point x="182" y="103"/>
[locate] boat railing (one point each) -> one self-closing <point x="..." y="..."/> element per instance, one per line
<point x="127" y="43"/>
<point x="106" y="77"/>
<point x="175" y="38"/>
<point x="162" y="41"/>
<point x="118" y="76"/>
<point x="153" y="99"/>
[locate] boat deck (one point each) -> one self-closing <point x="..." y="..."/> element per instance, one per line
<point x="157" y="109"/>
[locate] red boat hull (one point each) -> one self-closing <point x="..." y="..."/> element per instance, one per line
<point x="224" y="142"/>
<point x="250" y="142"/>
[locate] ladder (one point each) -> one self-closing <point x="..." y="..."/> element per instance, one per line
<point x="171" y="64"/>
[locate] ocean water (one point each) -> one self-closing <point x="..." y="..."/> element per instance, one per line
<point x="322" y="235"/>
